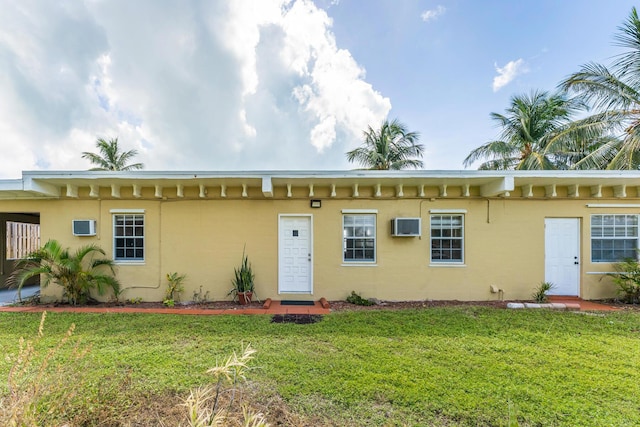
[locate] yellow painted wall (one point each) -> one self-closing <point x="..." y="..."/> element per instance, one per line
<point x="204" y="239"/>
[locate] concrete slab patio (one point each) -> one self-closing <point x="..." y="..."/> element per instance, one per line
<point x="580" y="304"/>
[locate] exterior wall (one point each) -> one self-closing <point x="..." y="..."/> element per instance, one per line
<point x="204" y="239"/>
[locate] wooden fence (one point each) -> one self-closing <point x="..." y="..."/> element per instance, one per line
<point x="22" y="239"/>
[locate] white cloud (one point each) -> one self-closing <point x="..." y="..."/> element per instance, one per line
<point x="433" y="14"/>
<point x="510" y="71"/>
<point x="224" y="84"/>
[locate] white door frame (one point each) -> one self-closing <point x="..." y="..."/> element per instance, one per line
<point x="571" y="257"/>
<point x="280" y="249"/>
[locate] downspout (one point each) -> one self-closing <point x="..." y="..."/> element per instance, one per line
<point x="488" y="211"/>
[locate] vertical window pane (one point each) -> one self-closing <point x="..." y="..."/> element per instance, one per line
<point x="613" y="237"/>
<point x="359" y="232"/>
<point x="128" y="237"/>
<point x="447" y="238"/>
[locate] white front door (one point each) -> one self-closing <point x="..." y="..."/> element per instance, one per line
<point x="295" y="255"/>
<point x="562" y="255"/>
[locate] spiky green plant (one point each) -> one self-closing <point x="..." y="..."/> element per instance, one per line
<point x="540" y="294"/>
<point x="243" y="280"/>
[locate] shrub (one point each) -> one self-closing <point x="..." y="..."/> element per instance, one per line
<point x="540" y="294"/>
<point x="627" y="280"/>
<point x="356" y="299"/>
<point x="174" y="288"/>
<point x="78" y="273"/>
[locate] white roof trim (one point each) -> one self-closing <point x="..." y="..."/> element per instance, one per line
<point x="612" y="205"/>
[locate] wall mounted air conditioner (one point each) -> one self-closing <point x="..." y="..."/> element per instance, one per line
<point x="84" y="227"/>
<point x="406" y="227"/>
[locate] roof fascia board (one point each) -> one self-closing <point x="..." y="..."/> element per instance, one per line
<point x="11" y="185"/>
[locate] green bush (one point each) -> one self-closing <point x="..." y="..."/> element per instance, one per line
<point x="174" y="286"/>
<point x="627" y="280"/>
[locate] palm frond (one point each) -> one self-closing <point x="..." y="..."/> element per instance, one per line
<point x="389" y="147"/>
<point x="111" y="158"/>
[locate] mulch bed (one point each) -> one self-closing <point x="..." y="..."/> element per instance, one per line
<point x="334" y="305"/>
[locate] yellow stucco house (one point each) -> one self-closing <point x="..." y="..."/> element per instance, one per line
<point x="392" y="235"/>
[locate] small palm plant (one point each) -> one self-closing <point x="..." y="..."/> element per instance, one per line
<point x="541" y="292"/>
<point x="174" y="288"/>
<point x="78" y="273"/>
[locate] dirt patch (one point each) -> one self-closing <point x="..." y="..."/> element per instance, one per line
<point x="400" y="305"/>
<point x="299" y="319"/>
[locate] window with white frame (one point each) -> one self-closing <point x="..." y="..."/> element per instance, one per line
<point x="128" y="237"/>
<point x="359" y="237"/>
<point x="447" y="238"/>
<point x="613" y="237"/>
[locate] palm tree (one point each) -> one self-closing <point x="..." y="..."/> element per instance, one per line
<point x="78" y="273"/>
<point x="110" y="157"/>
<point x="391" y="147"/>
<point x="614" y="94"/>
<point x="531" y="135"/>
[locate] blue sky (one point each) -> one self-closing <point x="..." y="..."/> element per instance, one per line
<point x="276" y="84"/>
<point x="439" y="73"/>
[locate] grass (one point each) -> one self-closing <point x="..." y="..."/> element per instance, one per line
<point x="467" y="366"/>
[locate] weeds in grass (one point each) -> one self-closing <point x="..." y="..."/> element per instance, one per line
<point x="356" y="299"/>
<point x="204" y="404"/>
<point x="33" y="390"/>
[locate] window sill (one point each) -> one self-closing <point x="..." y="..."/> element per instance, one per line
<point x="360" y="264"/>
<point x="125" y="262"/>
<point x="447" y="264"/>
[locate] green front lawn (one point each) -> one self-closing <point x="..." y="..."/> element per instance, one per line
<point x="465" y="366"/>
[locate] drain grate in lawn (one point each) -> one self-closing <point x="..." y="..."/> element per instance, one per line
<point x="299" y="319"/>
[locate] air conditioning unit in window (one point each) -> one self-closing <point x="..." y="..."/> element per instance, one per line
<point x="406" y="227"/>
<point x="84" y="227"/>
